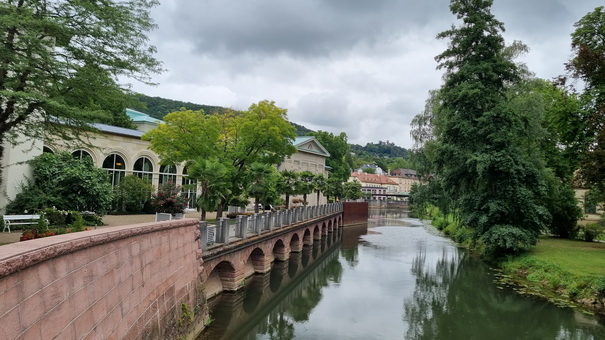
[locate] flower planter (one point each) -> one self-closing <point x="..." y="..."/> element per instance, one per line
<point x="162" y="217"/>
<point x="168" y="216"/>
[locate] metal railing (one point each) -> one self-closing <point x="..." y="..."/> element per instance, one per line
<point x="244" y="226"/>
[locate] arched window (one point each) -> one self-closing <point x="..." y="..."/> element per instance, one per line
<point x="143" y="168"/>
<point x="189" y="187"/>
<point x="167" y="173"/>
<point x="81" y="154"/>
<point x="46" y="149"/>
<point x="114" y="164"/>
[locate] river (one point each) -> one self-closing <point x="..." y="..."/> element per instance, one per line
<point x="393" y="278"/>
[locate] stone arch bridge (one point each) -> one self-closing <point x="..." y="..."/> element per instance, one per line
<point x="251" y="244"/>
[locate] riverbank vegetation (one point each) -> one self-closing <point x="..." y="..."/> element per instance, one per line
<point x="502" y="150"/>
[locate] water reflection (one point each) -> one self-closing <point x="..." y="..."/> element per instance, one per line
<point x="455" y="298"/>
<point x="391" y="279"/>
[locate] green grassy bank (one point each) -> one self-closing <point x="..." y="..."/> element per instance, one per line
<point x="567" y="272"/>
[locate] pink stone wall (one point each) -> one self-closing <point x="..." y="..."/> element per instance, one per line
<point x="125" y="282"/>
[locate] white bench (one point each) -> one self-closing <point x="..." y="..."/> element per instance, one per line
<point x="10" y="220"/>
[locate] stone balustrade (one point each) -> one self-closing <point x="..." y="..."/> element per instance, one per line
<point x="228" y="230"/>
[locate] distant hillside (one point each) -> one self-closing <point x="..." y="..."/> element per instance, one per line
<point x="158" y="107"/>
<point x="301" y="130"/>
<point x="381" y="150"/>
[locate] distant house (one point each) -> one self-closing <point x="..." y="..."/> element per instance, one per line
<point x="405" y="179"/>
<point x="377" y="187"/>
<point x="377" y="170"/>
<point x="592" y="210"/>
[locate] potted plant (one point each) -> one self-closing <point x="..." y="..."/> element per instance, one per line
<point x="168" y="200"/>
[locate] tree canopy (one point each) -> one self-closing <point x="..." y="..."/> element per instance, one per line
<point x="262" y="135"/>
<point x="62" y="59"/>
<point x="588" y="64"/>
<point x="481" y="150"/>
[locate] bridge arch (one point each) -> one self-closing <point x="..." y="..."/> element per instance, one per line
<point x="308" y="237"/>
<point x="316" y="233"/>
<point x="222" y="277"/>
<point x="257" y="262"/>
<point x="295" y="243"/>
<point x="280" y="251"/>
<point x="324" y="229"/>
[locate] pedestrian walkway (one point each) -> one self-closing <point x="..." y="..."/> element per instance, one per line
<point x="110" y="221"/>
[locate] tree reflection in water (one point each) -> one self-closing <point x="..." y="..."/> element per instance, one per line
<point x="455" y="298"/>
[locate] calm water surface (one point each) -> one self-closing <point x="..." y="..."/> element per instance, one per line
<point x="392" y="279"/>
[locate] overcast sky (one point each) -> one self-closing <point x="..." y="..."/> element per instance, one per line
<point x="359" y="66"/>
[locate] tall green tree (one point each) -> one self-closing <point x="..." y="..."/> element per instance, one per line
<point x="352" y="190"/>
<point x="262" y="181"/>
<point x="46" y="45"/>
<point x="479" y="153"/>
<point x="588" y="64"/>
<point x="213" y="180"/>
<point x="334" y="189"/>
<point x="306" y="184"/>
<point x="319" y="185"/>
<point x="287" y="185"/>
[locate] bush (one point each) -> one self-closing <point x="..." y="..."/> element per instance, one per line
<point x="61" y="181"/>
<point x="53" y="218"/>
<point x="506" y="239"/>
<point x="168" y="199"/>
<point x="591" y="231"/>
<point x="91" y="219"/>
<point x="132" y="194"/>
<point x="562" y="205"/>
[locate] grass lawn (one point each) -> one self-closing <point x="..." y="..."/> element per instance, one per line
<point x="577" y="257"/>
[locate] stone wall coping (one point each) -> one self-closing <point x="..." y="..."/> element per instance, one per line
<point x="20" y="255"/>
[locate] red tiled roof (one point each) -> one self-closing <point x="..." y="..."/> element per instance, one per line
<point x="373" y="178"/>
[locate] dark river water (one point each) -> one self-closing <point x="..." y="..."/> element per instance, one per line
<point x="391" y="279"/>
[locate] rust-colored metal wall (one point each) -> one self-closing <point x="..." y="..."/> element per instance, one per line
<point x="355" y="213"/>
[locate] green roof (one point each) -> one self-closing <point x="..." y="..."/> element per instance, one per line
<point x="140" y="117"/>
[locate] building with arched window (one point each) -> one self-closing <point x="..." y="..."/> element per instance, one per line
<point x="121" y="152"/>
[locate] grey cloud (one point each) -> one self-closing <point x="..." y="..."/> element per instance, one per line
<point x="300" y="27"/>
<point x="325" y="111"/>
<point x="541" y="19"/>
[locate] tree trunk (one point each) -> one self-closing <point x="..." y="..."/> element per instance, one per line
<point x="203" y="217"/>
<point x="219" y="209"/>
<point x="256" y="205"/>
<point x="287" y="201"/>
<point x="1" y="158"/>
